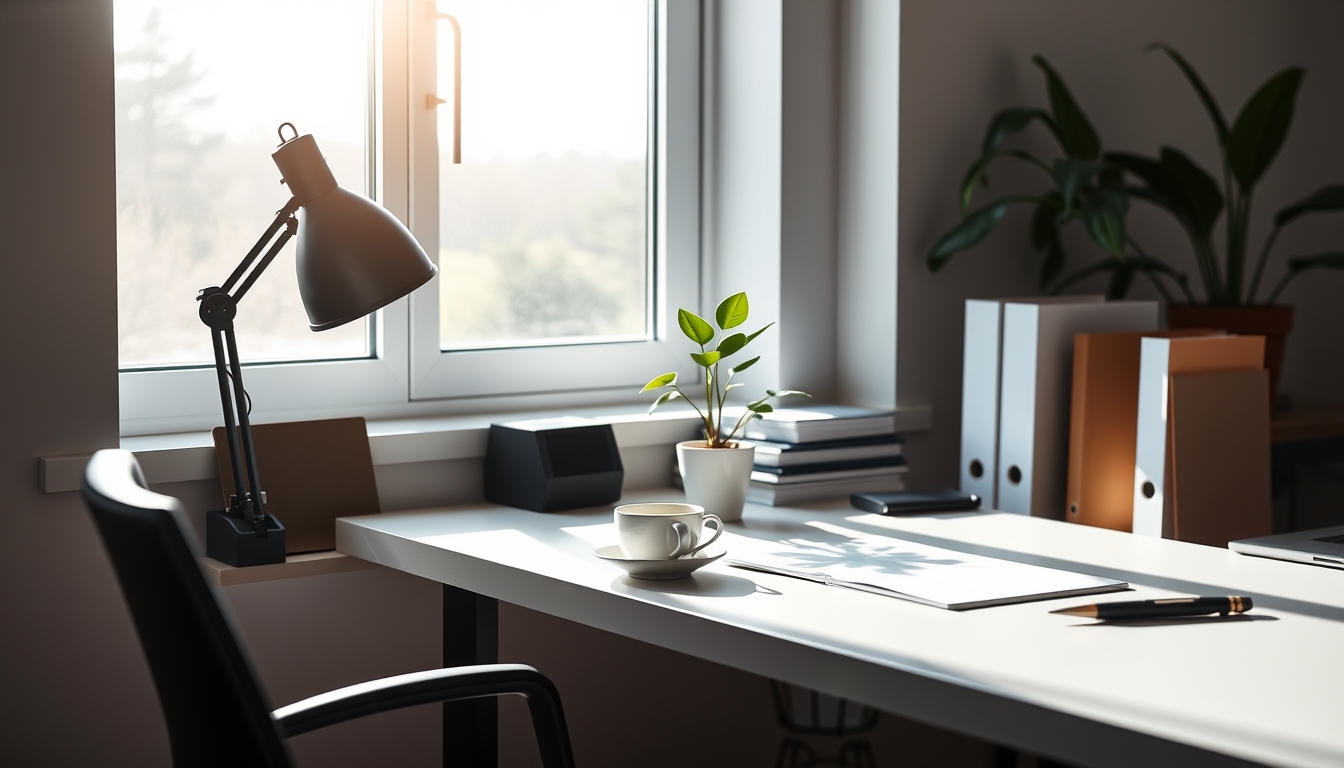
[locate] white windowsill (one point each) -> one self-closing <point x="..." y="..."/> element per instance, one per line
<point x="187" y="456"/>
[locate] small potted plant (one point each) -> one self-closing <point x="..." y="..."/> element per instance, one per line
<point x="717" y="470"/>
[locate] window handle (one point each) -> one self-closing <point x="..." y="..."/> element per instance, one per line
<point x="432" y="101"/>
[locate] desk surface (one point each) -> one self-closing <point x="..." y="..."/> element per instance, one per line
<point x="1266" y="689"/>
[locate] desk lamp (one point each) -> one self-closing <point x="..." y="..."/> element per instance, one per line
<point x="353" y="258"/>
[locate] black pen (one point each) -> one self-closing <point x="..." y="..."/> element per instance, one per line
<point x="1161" y="609"/>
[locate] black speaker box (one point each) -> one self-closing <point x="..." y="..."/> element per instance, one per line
<point x="549" y="465"/>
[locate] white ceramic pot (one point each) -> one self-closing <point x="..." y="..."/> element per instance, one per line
<point x="716" y="478"/>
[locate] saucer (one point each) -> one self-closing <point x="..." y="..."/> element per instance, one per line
<point x="660" y="569"/>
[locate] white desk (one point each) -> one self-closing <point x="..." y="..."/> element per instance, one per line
<point x="1266" y="689"/>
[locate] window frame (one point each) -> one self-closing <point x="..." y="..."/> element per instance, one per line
<point x="408" y="375"/>
<point x="674" y="197"/>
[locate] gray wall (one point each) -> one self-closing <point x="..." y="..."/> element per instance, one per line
<point x="71" y="663"/>
<point x="963" y="60"/>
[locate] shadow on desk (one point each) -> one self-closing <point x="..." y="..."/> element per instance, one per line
<point x="1176" y="621"/>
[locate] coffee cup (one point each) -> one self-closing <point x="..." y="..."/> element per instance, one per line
<point x="663" y="531"/>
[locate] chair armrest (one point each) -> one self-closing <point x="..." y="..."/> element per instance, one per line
<point x="435" y="685"/>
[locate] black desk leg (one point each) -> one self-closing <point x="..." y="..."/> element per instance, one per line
<point x="470" y="636"/>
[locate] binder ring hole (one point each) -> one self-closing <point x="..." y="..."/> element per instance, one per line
<point x="977" y="469"/>
<point x="1014" y="475"/>
<point x="1073" y="509"/>
<point x="1149" y="491"/>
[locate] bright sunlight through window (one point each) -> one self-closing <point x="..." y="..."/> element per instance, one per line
<point x="200" y="89"/>
<point x="544" y="227"/>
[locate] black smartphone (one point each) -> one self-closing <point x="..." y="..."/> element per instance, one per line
<point x="915" y="502"/>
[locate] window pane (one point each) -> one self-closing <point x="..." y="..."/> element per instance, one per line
<point x="200" y="90"/>
<point x="543" y="227"/>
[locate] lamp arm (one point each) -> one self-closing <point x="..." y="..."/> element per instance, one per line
<point x="282" y="217"/>
<point x="218" y="310"/>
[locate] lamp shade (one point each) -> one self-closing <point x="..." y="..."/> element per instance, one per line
<point x="353" y="256"/>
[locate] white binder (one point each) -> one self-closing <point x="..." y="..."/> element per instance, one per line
<point x="980" y="377"/>
<point x="1035" y="395"/>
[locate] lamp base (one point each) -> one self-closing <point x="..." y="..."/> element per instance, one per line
<point x="230" y="539"/>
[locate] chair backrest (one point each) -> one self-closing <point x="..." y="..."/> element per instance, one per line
<point x="216" y="712"/>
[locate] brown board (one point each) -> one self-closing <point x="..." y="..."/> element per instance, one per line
<point x="1219" y="453"/>
<point x="312" y="472"/>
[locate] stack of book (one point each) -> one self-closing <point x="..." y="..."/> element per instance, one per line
<point x="816" y="452"/>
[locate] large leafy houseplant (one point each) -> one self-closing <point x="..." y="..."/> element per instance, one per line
<point x="715" y="348"/>
<point x="1082" y="188"/>
<point x="1096" y="187"/>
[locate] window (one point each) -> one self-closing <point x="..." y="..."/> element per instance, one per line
<point x="566" y="238"/>
<point x="200" y="89"/>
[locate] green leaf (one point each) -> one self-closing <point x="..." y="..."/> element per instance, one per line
<point x="977" y="173"/>
<point x="760" y="407"/>
<point x="1076" y="135"/>
<point x="731" y="344"/>
<point x="1331" y="260"/>
<point x="663" y="398"/>
<point x="758" y="333"/>
<point x="666" y="380"/>
<point x="786" y="393"/>
<point x="1193" y="189"/>
<point x="970" y="231"/>
<point x="1327" y="198"/>
<point x="1147" y="169"/>
<point x="1202" y="91"/>
<point x="695" y="327"/>
<point x="740" y="367"/>
<point x="1178" y="184"/>
<point x="974" y="176"/>
<point x="732" y="311"/>
<point x="1104" y="215"/>
<point x="1006" y="123"/>
<point x="1071" y="176"/>
<point x="1262" y="126"/>
<point x="706" y="359"/>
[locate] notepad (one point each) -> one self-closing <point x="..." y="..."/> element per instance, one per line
<point x="943" y="578"/>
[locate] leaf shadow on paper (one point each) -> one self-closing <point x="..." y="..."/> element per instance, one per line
<point x="880" y="557"/>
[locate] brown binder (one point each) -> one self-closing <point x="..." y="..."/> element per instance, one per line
<point x="312" y="472"/>
<point x="1219" y="449"/>
<point x="1102" y="425"/>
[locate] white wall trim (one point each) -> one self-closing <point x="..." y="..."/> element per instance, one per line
<point x="188" y="456"/>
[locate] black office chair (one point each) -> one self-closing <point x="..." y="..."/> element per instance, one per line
<point x="216" y="711"/>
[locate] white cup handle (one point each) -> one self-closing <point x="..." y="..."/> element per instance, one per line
<point x="685" y="539"/>
<point x="718" y="531"/>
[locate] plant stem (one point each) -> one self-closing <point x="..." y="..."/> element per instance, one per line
<point x="1208" y="268"/>
<point x="741" y="420"/>
<point x="718" y="390"/>
<point x="710" y="432"/>
<point x="1030" y="158"/>
<point x="1236" y="253"/>
<point x="1176" y="277"/>
<point x="692" y="402"/>
<point x="1161" y="289"/>
<point x="1274" y="295"/>
<point x="1260" y="265"/>
<point x="1230" y="193"/>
